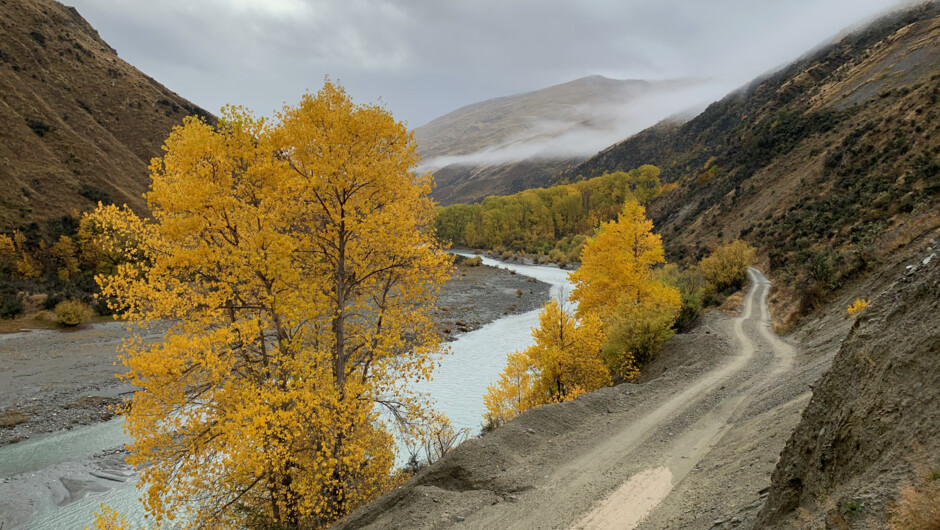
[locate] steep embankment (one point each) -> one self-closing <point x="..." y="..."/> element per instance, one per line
<point x="508" y="144"/>
<point x="871" y="426"/>
<point x="827" y="166"/>
<point x="79" y="124"/>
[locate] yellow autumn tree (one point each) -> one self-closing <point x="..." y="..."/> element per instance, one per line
<point x="65" y="255"/>
<point x="110" y="236"/>
<point x="726" y="266"/>
<point x="27" y="266"/>
<point x="293" y="264"/>
<point x="566" y="354"/>
<point x="617" y="284"/>
<point x="513" y="393"/>
<point x="107" y="518"/>
<point x="564" y="362"/>
<point x="7" y="254"/>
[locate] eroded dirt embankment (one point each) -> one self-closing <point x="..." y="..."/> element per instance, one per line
<point x="872" y="425"/>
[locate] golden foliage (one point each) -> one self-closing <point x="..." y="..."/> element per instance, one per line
<point x="7" y="253"/>
<point x="857" y="307"/>
<point x="617" y="283"/>
<point x="726" y="267"/>
<point x="566" y="354"/>
<point x="563" y="363"/>
<point x="111" y="236"/>
<point x="514" y="392"/>
<point x="73" y="313"/>
<point x="107" y="518"/>
<point x="27" y="266"/>
<point x="294" y="264"/>
<point x="65" y="255"/>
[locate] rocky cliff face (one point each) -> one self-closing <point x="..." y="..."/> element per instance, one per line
<point x="79" y="124"/>
<point x="871" y="426"/>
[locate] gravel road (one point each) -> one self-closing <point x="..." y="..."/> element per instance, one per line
<point x="649" y="455"/>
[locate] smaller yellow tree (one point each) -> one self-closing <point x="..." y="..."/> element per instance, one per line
<point x="857" y="307"/>
<point x="110" y="236"/>
<point x="636" y="329"/>
<point x="513" y="393"/>
<point x="726" y="267"/>
<point x="564" y="362"/>
<point x="27" y="266"/>
<point x="65" y="254"/>
<point x="616" y="282"/>
<point x="7" y="254"/>
<point x="566" y="354"/>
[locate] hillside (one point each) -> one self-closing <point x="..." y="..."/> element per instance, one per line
<point x="512" y="143"/>
<point x="827" y="165"/>
<point x="79" y="124"/>
<point x="871" y="426"/>
<point x="830" y="166"/>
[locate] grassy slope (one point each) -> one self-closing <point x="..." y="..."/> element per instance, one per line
<point x="79" y="123"/>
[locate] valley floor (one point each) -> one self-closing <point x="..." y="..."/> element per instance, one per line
<point x="54" y="380"/>
<point x="691" y="446"/>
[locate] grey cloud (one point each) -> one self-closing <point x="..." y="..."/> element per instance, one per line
<point x="428" y="57"/>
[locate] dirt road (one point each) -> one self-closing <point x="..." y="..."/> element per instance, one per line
<point x="614" y="459"/>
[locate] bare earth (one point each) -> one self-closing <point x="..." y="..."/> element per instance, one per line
<point x="691" y="446"/>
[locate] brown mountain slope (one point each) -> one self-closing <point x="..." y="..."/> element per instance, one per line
<point x="79" y="124"/>
<point x="827" y="165"/>
<point x="517" y="142"/>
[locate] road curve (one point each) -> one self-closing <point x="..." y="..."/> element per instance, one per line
<point x="627" y="505"/>
<point x="610" y="458"/>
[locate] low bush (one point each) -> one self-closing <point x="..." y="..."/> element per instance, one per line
<point x="11" y="306"/>
<point x="475" y="261"/>
<point x="73" y="313"/>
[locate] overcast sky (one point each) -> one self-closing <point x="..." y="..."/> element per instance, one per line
<point x="425" y="58"/>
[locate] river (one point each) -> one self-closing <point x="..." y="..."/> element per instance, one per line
<point x="458" y="386"/>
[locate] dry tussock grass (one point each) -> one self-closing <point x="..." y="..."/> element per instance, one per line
<point x="919" y="505"/>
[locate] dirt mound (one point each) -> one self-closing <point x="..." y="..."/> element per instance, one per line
<point x="871" y="426"/>
<point x="80" y="125"/>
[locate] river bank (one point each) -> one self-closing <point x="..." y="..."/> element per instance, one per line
<point x="56" y="380"/>
<point x="58" y="480"/>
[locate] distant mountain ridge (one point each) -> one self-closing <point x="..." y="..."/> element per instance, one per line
<point x="79" y="124"/>
<point x="516" y="142"/>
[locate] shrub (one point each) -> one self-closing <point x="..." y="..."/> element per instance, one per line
<point x="857" y="307"/>
<point x="726" y="267"/>
<point x="39" y="127"/>
<point x="475" y="261"/>
<point x="73" y="313"/>
<point x="10" y="306"/>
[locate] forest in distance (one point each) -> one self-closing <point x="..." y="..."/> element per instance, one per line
<point x="551" y="223"/>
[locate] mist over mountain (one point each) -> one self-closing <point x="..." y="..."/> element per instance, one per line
<point x="516" y="142"/>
